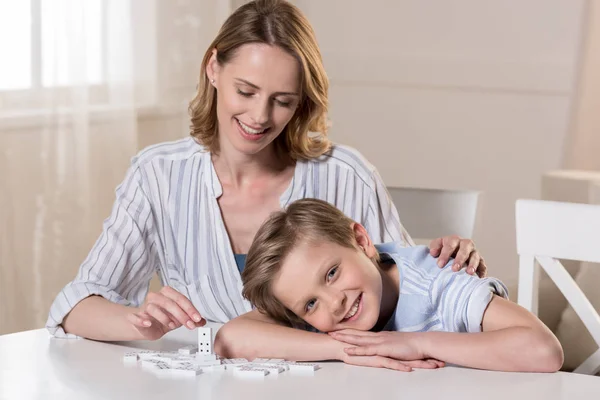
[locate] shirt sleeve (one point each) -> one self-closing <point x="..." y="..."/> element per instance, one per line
<point x="122" y="261"/>
<point x="460" y="299"/>
<point x="383" y="222"/>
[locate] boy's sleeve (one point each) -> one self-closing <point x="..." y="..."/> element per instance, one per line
<point x="460" y="299"/>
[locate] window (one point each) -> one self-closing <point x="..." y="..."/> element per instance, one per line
<point x="35" y="37"/>
<point x="60" y="54"/>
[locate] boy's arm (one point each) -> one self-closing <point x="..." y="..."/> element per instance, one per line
<point x="253" y="335"/>
<point x="512" y="340"/>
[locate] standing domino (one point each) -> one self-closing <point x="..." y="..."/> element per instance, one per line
<point x="205" y="342"/>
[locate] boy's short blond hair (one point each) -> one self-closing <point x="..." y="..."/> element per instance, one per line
<point x="304" y="220"/>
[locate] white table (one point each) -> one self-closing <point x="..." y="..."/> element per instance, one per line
<point x="35" y="366"/>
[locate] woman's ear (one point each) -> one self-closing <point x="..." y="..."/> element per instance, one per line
<point x="213" y="68"/>
<point x="363" y="240"/>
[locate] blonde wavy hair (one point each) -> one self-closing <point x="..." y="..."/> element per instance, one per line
<point x="275" y="23"/>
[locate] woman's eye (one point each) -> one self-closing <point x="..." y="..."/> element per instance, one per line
<point x="245" y="94"/>
<point x="332" y="273"/>
<point x="286" y="104"/>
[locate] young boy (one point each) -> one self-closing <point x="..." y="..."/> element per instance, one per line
<point x="312" y="264"/>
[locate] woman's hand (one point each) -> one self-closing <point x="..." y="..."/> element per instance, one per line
<point x="392" y="350"/>
<point x="463" y="251"/>
<point x="164" y="311"/>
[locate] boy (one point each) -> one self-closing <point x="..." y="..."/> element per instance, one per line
<point x="312" y="264"/>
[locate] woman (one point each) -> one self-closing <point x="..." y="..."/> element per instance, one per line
<point x="189" y="209"/>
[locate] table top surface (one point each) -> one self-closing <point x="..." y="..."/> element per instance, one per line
<point x="33" y="365"/>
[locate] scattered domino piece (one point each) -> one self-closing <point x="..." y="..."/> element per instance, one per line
<point x="146" y="354"/>
<point x="214" y="368"/>
<point x="251" y="372"/>
<point x="130" y="357"/>
<point x="166" y="357"/>
<point x="151" y="364"/>
<point x="273" y="369"/>
<point x="188" y="350"/>
<point x="161" y="368"/>
<point x="202" y="363"/>
<point x="205" y="341"/>
<point x="206" y="357"/>
<point x="231" y="363"/>
<point x="186" y="369"/>
<point x="303" y="366"/>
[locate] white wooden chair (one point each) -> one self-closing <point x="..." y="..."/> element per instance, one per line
<point x="548" y="231"/>
<point x="431" y="213"/>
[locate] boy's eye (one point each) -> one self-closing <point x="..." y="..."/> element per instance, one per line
<point x="245" y="94"/>
<point x="331" y="273"/>
<point x="310" y="305"/>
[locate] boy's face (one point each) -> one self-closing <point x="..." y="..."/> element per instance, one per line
<point x="329" y="286"/>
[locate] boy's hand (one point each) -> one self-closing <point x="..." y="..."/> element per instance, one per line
<point x="164" y="311"/>
<point x="464" y="252"/>
<point x="393" y="350"/>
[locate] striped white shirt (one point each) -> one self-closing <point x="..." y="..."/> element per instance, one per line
<point x="166" y="219"/>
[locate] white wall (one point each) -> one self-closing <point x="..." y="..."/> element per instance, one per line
<point x="466" y="94"/>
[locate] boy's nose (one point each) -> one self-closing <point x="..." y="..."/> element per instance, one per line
<point x="338" y="303"/>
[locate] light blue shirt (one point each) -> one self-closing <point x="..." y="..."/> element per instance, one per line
<point x="437" y="299"/>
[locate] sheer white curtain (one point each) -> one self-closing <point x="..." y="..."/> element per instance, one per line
<point x="84" y="84"/>
<point x="68" y="128"/>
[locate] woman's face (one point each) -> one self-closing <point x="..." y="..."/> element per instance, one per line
<point x="258" y="92"/>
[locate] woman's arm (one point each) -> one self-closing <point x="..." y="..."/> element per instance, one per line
<point x="512" y="340"/>
<point x="103" y="301"/>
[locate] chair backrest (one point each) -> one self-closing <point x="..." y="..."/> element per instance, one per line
<point x="433" y="213"/>
<point x="548" y="231"/>
<point x="569" y="231"/>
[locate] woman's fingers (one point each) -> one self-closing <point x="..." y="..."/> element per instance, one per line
<point x="160" y="315"/>
<point x="473" y="263"/>
<point x="138" y="320"/>
<point x="450" y="244"/>
<point x="466" y="250"/>
<point x="435" y="247"/>
<point x="183" y="302"/>
<point x="482" y="268"/>
<point x="169" y="305"/>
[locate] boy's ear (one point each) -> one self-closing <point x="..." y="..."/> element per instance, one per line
<point x="363" y="240"/>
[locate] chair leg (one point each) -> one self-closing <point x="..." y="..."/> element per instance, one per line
<point x="591" y="366"/>
<point x="528" y="283"/>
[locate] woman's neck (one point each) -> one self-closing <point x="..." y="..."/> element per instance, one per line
<point x="238" y="169"/>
